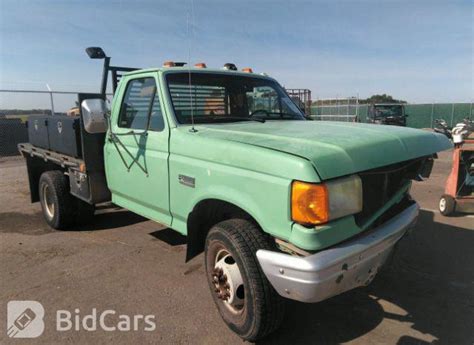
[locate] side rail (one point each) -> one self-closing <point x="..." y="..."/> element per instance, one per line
<point x="50" y="156"/>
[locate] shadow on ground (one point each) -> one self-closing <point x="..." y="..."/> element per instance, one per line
<point x="111" y="220"/>
<point x="34" y="224"/>
<point x="428" y="286"/>
<point x="169" y="236"/>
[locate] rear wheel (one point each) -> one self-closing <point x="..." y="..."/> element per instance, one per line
<point x="447" y="204"/>
<point x="56" y="201"/>
<point x="60" y="209"/>
<point x="245" y="299"/>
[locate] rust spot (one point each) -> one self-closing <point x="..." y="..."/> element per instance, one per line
<point x="345" y="267"/>
<point x="339" y="279"/>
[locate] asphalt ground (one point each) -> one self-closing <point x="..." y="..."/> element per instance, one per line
<point x="124" y="263"/>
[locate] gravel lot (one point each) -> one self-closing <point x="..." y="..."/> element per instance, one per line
<point x="134" y="266"/>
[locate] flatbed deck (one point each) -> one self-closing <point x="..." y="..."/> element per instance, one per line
<point x="61" y="159"/>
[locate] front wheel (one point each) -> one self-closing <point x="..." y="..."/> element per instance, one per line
<point x="245" y="299"/>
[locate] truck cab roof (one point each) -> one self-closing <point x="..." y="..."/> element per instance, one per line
<point x="198" y="70"/>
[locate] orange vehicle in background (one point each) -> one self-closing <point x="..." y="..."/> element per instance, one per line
<point x="459" y="190"/>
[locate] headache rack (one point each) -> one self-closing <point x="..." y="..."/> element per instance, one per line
<point x="302" y="97"/>
<point x="116" y="71"/>
<point x="116" y="74"/>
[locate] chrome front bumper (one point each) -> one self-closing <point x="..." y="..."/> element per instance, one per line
<point x="338" y="269"/>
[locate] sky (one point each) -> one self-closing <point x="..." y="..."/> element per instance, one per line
<point x="419" y="51"/>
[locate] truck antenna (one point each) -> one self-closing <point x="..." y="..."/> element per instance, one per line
<point x="193" y="130"/>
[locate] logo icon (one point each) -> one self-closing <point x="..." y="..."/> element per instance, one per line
<point x="60" y="126"/>
<point x="25" y="319"/>
<point x="36" y="125"/>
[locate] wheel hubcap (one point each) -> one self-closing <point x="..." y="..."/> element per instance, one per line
<point x="228" y="283"/>
<point x="442" y="204"/>
<point x="48" y="201"/>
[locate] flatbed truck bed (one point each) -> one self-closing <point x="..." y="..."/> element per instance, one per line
<point x="65" y="161"/>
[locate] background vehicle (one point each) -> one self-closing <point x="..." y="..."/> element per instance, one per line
<point x="459" y="190"/>
<point x="281" y="206"/>
<point x="387" y="114"/>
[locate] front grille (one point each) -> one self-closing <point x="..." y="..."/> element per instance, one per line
<point x="381" y="184"/>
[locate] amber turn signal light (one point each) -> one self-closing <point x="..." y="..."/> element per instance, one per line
<point x="309" y="203"/>
<point x="168" y="64"/>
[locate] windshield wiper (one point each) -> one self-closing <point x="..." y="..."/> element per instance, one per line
<point x="290" y="115"/>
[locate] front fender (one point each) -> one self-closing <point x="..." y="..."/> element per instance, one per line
<point x="264" y="197"/>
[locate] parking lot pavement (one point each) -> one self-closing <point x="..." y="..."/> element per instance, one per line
<point x="125" y="263"/>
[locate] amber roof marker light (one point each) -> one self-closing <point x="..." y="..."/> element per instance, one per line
<point x="200" y="65"/>
<point x="247" y="70"/>
<point x="169" y="64"/>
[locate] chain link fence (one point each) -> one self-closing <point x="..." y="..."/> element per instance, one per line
<point x="419" y="115"/>
<point x="335" y="109"/>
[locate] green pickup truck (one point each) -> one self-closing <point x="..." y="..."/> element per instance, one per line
<point x="281" y="206"/>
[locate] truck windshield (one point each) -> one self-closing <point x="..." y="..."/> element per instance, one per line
<point x="218" y="98"/>
<point x="388" y="110"/>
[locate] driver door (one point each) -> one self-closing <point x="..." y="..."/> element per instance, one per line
<point x="136" y="149"/>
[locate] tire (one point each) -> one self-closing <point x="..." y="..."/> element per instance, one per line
<point x="57" y="203"/>
<point x="447" y="205"/>
<point x="253" y="309"/>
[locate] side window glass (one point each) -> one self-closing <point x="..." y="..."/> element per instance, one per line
<point x="156" y="120"/>
<point x="141" y="100"/>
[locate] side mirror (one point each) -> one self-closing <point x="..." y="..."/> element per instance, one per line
<point x="94" y="112"/>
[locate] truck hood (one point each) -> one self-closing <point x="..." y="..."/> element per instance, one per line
<point x="334" y="148"/>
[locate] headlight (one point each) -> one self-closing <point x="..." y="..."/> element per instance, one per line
<point x="313" y="204"/>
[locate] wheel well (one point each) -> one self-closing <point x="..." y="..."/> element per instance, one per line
<point x="35" y="168"/>
<point x="204" y="216"/>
